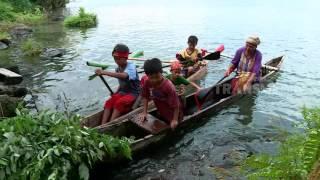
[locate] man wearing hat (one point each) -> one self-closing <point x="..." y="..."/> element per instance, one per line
<point x="122" y="101"/>
<point x="247" y="61"/>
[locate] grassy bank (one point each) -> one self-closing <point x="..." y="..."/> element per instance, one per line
<point x="11" y="12"/>
<point x="28" y="12"/>
<point x="51" y="146"/>
<point x="298" y="157"/>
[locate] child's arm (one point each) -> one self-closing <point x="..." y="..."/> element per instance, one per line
<point x="174" y="121"/>
<point x="145" y="108"/>
<point x="118" y="75"/>
<point x="195" y="85"/>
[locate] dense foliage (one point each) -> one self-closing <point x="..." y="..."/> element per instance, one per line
<point x="12" y="11"/>
<point x="82" y="20"/>
<point x="297" y="156"/>
<point x="50" y="146"/>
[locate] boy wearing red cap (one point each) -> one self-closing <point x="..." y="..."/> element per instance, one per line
<point x="129" y="85"/>
<point x="178" y="80"/>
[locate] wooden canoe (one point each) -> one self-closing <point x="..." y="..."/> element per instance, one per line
<point x="154" y="130"/>
<point x="94" y="119"/>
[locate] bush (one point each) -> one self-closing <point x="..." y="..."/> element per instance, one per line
<point x="6" y="12"/>
<point x="297" y="156"/>
<point x="20" y="5"/>
<point x="10" y="14"/>
<point x="31" y="48"/>
<point x="50" y="146"/>
<point x="51" y="4"/>
<point x="83" y="20"/>
<point x="31" y="18"/>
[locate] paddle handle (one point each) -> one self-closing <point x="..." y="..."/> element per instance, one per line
<point x="105" y="83"/>
<point x="141" y="59"/>
<point x="226" y="56"/>
<point x="208" y="92"/>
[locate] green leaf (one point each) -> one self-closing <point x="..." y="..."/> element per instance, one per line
<point x="84" y="133"/>
<point x="101" y="144"/>
<point x="3" y="162"/>
<point x="10" y="136"/>
<point x="56" y="152"/>
<point x="83" y="172"/>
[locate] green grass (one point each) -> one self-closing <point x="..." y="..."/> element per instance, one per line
<point x="297" y="156"/>
<point x="30" y="18"/>
<point x="12" y="14"/>
<point x="4" y="35"/>
<point x="82" y="20"/>
<point x="31" y="48"/>
<point x="51" y="146"/>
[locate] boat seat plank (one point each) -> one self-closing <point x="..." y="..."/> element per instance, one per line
<point x="152" y="125"/>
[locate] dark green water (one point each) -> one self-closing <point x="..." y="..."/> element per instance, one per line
<point x="160" y="29"/>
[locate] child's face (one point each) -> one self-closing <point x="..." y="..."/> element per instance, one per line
<point x="175" y="72"/>
<point x="121" y="61"/>
<point x="191" y="46"/>
<point x="155" y="79"/>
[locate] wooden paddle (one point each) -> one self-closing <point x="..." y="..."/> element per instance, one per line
<point x="202" y="95"/>
<point x="103" y="67"/>
<point x="210" y="56"/>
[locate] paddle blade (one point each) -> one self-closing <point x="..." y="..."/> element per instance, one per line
<point x="220" y="48"/>
<point x="212" y="56"/>
<point x="94" y="64"/>
<point x="138" y="54"/>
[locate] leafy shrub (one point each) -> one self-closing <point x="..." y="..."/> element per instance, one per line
<point x="83" y="20"/>
<point x="20" y="5"/>
<point x="31" y="48"/>
<point x="297" y="157"/>
<point x="6" y="12"/>
<point x="50" y="146"/>
<point x="30" y="18"/>
<point x="50" y="4"/>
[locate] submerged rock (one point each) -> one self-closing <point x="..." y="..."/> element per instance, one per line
<point x="21" y="31"/>
<point x="52" y="52"/>
<point x="13" y="91"/>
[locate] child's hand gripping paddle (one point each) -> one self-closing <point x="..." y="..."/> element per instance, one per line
<point x="105" y="66"/>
